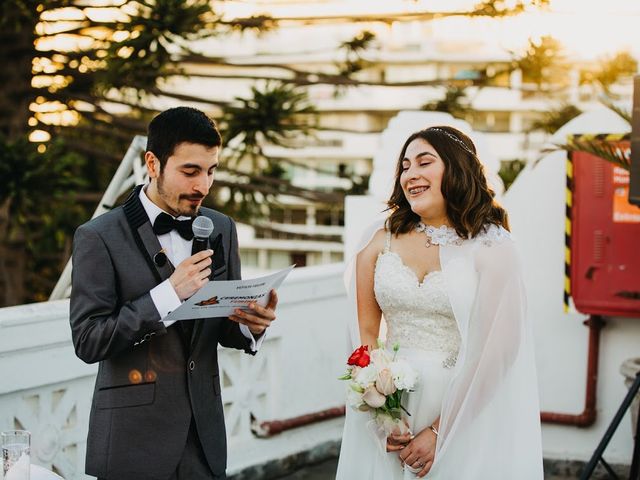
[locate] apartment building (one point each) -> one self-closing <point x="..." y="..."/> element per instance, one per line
<point x="410" y="56"/>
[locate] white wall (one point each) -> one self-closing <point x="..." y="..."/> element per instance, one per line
<point x="408" y="122"/>
<point x="536" y="207"/>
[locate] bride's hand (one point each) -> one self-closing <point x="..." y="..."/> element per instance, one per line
<point x="399" y="438"/>
<point x="420" y="452"/>
<point x="396" y="441"/>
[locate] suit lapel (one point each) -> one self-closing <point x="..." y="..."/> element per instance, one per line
<point x="219" y="267"/>
<point x="152" y="249"/>
<point x="145" y="239"/>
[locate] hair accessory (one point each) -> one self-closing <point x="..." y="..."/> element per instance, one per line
<point x="452" y="137"/>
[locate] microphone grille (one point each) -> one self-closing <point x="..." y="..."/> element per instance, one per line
<point x="202" y="227"/>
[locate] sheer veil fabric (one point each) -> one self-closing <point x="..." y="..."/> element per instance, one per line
<point x="490" y="415"/>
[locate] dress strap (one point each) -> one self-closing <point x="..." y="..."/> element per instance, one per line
<point x="387" y="241"/>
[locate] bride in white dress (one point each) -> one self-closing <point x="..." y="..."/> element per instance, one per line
<point x="443" y="273"/>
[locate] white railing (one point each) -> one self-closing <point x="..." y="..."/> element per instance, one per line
<point x="47" y="390"/>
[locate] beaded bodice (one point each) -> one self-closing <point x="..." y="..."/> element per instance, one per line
<point x="418" y="313"/>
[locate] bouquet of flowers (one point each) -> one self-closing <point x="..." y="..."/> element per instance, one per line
<point x="377" y="381"/>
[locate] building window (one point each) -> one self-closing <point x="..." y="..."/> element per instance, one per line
<point x="333" y="217"/>
<point x="249" y="257"/>
<point x="299" y="259"/>
<point x="298" y="216"/>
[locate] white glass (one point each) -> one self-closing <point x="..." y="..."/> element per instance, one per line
<point x="16" y="454"/>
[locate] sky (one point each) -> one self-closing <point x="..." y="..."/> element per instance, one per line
<point x="588" y="29"/>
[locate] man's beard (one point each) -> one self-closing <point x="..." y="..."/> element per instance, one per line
<point x="193" y="209"/>
<point x="187" y="211"/>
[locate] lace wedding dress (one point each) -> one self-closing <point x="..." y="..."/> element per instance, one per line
<point x="420" y="320"/>
<point x="487" y="395"/>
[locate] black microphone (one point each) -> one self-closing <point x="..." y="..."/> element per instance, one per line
<point x="202" y="229"/>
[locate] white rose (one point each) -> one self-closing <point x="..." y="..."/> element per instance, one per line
<point x="373" y="397"/>
<point x="384" y="382"/>
<point x="366" y="376"/>
<point x="404" y="376"/>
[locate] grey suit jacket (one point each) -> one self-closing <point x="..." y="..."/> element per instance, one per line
<point x="151" y="380"/>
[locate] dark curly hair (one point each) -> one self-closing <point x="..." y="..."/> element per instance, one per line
<point x="470" y="202"/>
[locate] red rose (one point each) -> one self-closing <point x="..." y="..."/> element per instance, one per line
<point x="360" y="357"/>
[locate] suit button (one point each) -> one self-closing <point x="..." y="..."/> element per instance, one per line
<point x="192" y="365"/>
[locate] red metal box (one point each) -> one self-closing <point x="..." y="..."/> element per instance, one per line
<point x="603" y="231"/>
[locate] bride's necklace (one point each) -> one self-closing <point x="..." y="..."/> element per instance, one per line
<point x="443" y="235"/>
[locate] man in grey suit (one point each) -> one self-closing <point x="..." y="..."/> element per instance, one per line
<point x="156" y="410"/>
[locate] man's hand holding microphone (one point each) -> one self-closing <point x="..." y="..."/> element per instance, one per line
<point x="193" y="273"/>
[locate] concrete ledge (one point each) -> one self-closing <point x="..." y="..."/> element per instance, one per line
<point x="571" y="469"/>
<point x="327" y="453"/>
<point x="291" y="463"/>
<point x="286" y="452"/>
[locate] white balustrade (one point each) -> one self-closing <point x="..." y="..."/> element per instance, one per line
<point x="46" y="389"/>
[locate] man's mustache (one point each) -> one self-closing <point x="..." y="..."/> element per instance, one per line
<point x="191" y="197"/>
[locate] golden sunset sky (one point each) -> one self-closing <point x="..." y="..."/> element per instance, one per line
<point x="588" y="29"/>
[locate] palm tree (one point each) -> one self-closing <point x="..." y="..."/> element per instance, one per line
<point x="542" y="61"/>
<point x="353" y="51"/>
<point x="274" y="115"/>
<point x="601" y="148"/>
<point x="455" y="102"/>
<point x="556" y="118"/>
<point x="609" y="71"/>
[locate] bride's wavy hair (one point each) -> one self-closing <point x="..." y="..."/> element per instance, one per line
<point x="470" y="202"/>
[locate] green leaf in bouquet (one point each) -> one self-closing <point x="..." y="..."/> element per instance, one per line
<point x="356" y="388"/>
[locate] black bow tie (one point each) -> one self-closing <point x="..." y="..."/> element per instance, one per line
<point x="165" y="223"/>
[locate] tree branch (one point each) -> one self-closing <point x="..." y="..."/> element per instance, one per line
<point x="386" y="19"/>
<point x="303" y="77"/>
<point x="268" y="190"/>
<point x="187" y="98"/>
